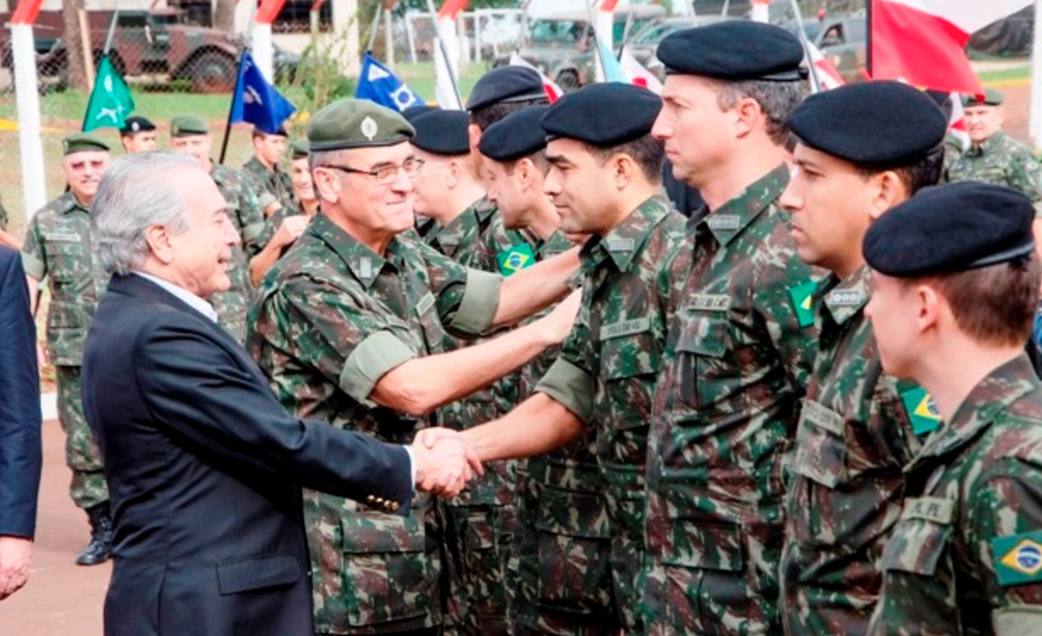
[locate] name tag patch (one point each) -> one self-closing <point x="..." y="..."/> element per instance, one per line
<point x="936" y="509"/>
<point x="710" y="302"/>
<point x="425" y="304"/>
<point x="620" y="244"/>
<point x="625" y="328"/>
<point x="822" y="417"/>
<point x="723" y="221"/>
<point x="62" y="236"/>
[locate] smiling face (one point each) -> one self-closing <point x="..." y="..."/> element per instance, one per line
<point x="300" y="177"/>
<point x="433" y="184"/>
<point x="83" y="171"/>
<point x="198" y="257"/>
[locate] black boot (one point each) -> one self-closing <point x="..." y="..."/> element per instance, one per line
<point x="99" y="549"/>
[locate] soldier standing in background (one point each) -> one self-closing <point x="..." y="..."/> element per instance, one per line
<point x="285" y="226"/>
<point x="345" y="328"/>
<point x="862" y="149"/>
<point x="740" y="345"/>
<point x="995" y="157"/>
<point x="191" y="135"/>
<point x="268" y="150"/>
<point x="59" y="246"/>
<point x="952" y="315"/>
<point x="138" y="134"/>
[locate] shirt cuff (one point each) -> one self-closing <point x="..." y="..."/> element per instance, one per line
<point x="477" y="309"/>
<point x="33" y="266"/>
<point x="412" y="465"/>
<point x="571" y="386"/>
<point x="371" y="360"/>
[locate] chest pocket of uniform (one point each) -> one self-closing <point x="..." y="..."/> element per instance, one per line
<point x="630" y="358"/>
<point x="65" y="258"/>
<point x="919" y="541"/>
<point x="430" y="324"/>
<point x="701" y="347"/>
<point x="821" y="447"/>
<point x="385" y="573"/>
<point x="706" y="545"/>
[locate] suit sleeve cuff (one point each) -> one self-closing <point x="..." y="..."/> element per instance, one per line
<point x="571" y="386"/>
<point x="33" y="266"/>
<point x="480" y="301"/>
<point x="371" y="360"/>
<point x="412" y="466"/>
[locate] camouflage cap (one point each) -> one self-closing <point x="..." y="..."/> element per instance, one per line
<point x="991" y="97"/>
<point x="188" y="126"/>
<point x="81" y="142"/>
<point x="357" y="123"/>
<point x="299" y="149"/>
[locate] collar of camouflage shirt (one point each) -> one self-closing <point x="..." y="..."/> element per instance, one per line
<point x="363" y="262"/>
<point x="68" y="202"/>
<point x="625" y="239"/>
<point x="843" y="299"/>
<point x="988" y="145"/>
<point x="993" y="395"/>
<point x="728" y="221"/>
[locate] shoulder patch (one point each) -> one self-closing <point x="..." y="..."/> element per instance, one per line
<point x="1018" y="558"/>
<point x="921" y="411"/>
<point x="515" y="258"/>
<point x="802" y="298"/>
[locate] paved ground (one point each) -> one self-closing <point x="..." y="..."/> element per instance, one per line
<point x="61" y="598"/>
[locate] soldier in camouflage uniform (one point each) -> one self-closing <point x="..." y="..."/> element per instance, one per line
<point x="344" y="326"/>
<point x="138" y="134"/>
<point x="246" y="205"/>
<point x="741" y="343"/>
<point x="263" y="166"/>
<point x="515" y="167"/>
<point x="605" y="180"/>
<point x="862" y="149"/>
<point x="995" y="157"/>
<point x="965" y="556"/>
<point x="285" y="226"/>
<point x="481" y="521"/>
<point x="59" y="246"/>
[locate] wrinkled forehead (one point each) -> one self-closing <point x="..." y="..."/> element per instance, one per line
<point x="86" y="157"/>
<point x="371" y="156"/>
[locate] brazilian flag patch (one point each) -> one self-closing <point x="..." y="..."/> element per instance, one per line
<point x="802" y="298"/>
<point x="1018" y="558"/>
<point x="921" y="411"/>
<point x="515" y="258"/>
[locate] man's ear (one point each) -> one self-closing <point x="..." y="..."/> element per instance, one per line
<point x="748" y="115"/>
<point x="889" y="191"/>
<point x="326" y="186"/>
<point x="930" y="306"/>
<point x="158" y="239"/>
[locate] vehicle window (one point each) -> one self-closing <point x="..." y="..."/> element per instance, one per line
<point x="556" y="30"/>
<point x="833" y="37"/>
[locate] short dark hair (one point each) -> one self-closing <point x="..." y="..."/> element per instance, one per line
<point x="995" y="305"/>
<point x="646" y="151"/>
<point x="777" y="100"/>
<point x="487" y="115"/>
<point x="538" y="159"/>
<point x="915" y="176"/>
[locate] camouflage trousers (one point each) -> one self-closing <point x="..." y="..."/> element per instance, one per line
<point x="481" y="567"/>
<point x="82" y="456"/>
<point x="565" y="572"/>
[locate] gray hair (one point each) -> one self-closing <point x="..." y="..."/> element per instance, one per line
<point x="137" y="192"/>
<point x="777" y="100"/>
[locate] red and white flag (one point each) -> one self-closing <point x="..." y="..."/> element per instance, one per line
<point x="827" y="75"/>
<point x="553" y="91"/>
<point x="957" y="123"/>
<point x="923" y="41"/>
<point x="446" y="71"/>
<point x="638" y="74"/>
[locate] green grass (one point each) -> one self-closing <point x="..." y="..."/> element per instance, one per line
<point x="1006" y="75"/>
<point x="62" y="114"/>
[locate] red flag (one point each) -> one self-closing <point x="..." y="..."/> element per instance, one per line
<point x="923" y="42"/>
<point x="268" y="10"/>
<point x="451" y="8"/>
<point x="553" y="91"/>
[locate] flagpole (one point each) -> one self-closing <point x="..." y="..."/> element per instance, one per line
<point x="444" y="54"/>
<point x="374" y="27"/>
<point x="1035" y="122"/>
<point x="868" y="38"/>
<point x="815" y="85"/>
<point x="101" y="60"/>
<point x="235" y="92"/>
<point x="596" y="41"/>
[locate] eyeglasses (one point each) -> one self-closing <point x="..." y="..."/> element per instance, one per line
<point x="386" y="174"/>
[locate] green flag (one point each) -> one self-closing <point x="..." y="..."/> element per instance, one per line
<point x="110" y="101"/>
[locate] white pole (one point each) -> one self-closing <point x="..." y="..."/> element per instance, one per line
<point x="30" y="143"/>
<point x="761" y="11"/>
<point x="409" y="36"/>
<point x="389" y="37"/>
<point x="263" y="51"/>
<point x="1035" y="125"/>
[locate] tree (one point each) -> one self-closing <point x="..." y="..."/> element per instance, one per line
<point x="74" y="39"/>
<point x="224" y="15"/>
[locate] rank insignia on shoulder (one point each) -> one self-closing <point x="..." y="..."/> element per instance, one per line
<point x="921" y="411"/>
<point x="802" y="298"/>
<point x="1018" y="558"/>
<point x="515" y="258"/>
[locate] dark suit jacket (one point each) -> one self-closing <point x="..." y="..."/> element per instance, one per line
<point x="205" y="469"/>
<point x="19" y="402"/>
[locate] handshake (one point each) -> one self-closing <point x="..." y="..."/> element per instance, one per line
<point x="444" y="462"/>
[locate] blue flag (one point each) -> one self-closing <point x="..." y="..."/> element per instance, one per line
<point x="612" y="69"/>
<point x="377" y="83"/>
<point x="256" y="101"/>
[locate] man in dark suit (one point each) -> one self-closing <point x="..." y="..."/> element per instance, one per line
<point x="19" y="425"/>
<point x="204" y="466"/>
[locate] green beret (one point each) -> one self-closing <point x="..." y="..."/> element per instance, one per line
<point x="357" y="123"/>
<point x="991" y="98"/>
<point x="187" y="126"/>
<point x="81" y="142"/>
<point x="299" y="149"/>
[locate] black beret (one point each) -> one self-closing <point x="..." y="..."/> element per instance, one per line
<point x="413" y="112"/>
<point x="136" y="124"/>
<point x="605" y="114"/>
<point x="951" y="228"/>
<point x="734" y="50"/>
<point x="881" y="123"/>
<point x="517" y="135"/>
<point x="506" y="84"/>
<point x="442" y="132"/>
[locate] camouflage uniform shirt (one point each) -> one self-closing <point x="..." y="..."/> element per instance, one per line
<point x="276" y="181"/>
<point x="738" y="358"/>
<point x="966" y="555"/>
<point x="333" y="317"/>
<point x="606" y="374"/>
<point x="853" y="439"/>
<point x="1001" y="160"/>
